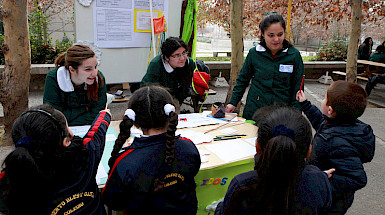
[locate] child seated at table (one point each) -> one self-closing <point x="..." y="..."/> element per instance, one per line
<point x="155" y="174"/>
<point x="281" y="182"/>
<point x="51" y="171"/>
<point x="342" y="141"/>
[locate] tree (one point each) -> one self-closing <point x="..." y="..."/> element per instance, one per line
<point x="43" y="11"/>
<point x="355" y="32"/>
<point x="321" y="13"/>
<point x="14" y="79"/>
<point x="236" y="44"/>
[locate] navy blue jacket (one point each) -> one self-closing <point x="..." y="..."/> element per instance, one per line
<point x="343" y="146"/>
<point x="313" y="192"/>
<point x="130" y="185"/>
<point x="73" y="188"/>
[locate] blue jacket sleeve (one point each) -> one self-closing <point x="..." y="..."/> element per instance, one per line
<point x="350" y="175"/>
<point x="313" y="114"/>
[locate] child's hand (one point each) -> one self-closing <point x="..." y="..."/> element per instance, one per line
<point x="329" y="172"/>
<point x="301" y="96"/>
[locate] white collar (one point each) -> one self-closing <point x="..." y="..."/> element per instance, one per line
<point x="260" y="48"/>
<point x="167" y="66"/>
<point x="64" y="80"/>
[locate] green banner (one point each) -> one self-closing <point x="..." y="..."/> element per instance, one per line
<point x="212" y="183"/>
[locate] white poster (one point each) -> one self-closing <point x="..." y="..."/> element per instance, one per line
<point x="125" y="23"/>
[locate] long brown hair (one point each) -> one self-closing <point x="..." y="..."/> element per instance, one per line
<point x="74" y="57"/>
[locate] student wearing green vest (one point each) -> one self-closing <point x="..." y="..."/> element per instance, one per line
<point x="173" y="69"/>
<point x="76" y="87"/>
<point x="274" y="67"/>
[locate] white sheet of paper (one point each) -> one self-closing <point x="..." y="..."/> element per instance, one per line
<point x="203" y="151"/>
<point x="80" y="130"/>
<point x="111" y="137"/>
<point x="196" y="119"/>
<point x="196" y="137"/>
<point x="231" y="150"/>
<point x="102" y="173"/>
<point x="204" y="159"/>
<point x="228" y="131"/>
<point x="251" y="140"/>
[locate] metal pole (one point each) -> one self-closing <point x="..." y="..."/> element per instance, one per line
<point x="288" y="22"/>
<point x="152" y="30"/>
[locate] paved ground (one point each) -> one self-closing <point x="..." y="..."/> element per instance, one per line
<point x="369" y="200"/>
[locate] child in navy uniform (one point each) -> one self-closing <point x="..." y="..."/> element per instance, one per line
<point x="281" y="182"/>
<point x="341" y="141"/>
<point x="51" y="171"/>
<point x="155" y="174"/>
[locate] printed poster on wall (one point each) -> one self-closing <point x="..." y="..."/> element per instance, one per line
<point x="125" y="23"/>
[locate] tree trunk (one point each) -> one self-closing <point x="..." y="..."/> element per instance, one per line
<point x="355" y="32"/>
<point x="236" y="33"/>
<point x="14" y="79"/>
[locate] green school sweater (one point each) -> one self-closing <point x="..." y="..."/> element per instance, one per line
<point x="273" y="81"/>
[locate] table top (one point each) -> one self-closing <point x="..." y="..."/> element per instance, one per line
<point x="217" y="149"/>
<point x="368" y="62"/>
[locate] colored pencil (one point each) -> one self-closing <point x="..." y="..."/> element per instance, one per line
<point x="303" y="78"/>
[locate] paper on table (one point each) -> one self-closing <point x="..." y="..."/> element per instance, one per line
<point x="102" y="173"/>
<point x="111" y="137"/>
<point x="251" y="140"/>
<point x="203" y="151"/>
<point x="80" y="130"/>
<point x="195" y="119"/>
<point x="204" y="159"/>
<point x="228" y="131"/>
<point x="196" y="137"/>
<point x="231" y="150"/>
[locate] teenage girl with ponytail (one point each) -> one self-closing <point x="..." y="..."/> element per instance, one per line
<point x="281" y="182"/>
<point x="155" y="174"/>
<point x="51" y="171"/>
<point x="76" y="87"/>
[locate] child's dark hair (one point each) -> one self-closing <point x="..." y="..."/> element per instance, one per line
<point x="284" y="137"/>
<point x="38" y="136"/>
<point x="269" y="20"/>
<point x="347" y="99"/>
<point x="171" y="45"/>
<point x="74" y="57"/>
<point x="148" y="104"/>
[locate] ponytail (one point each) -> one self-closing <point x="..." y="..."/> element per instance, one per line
<point x="22" y="178"/>
<point x="170" y="135"/>
<point x="278" y="171"/>
<point x="124" y="134"/>
<point x="284" y="137"/>
<point x="170" y="148"/>
<point x="60" y="60"/>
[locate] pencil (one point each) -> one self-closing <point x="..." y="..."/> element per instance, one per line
<point x="303" y="78"/>
<point x="226" y="138"/>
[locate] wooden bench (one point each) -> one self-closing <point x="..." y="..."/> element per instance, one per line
<point x="372" y="63"/>
<point x="215" y="53"/>
<point x="344" y="74"/>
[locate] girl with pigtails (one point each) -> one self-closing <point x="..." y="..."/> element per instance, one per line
<point x="281" y="182"/>
<point x="155" y="174"/>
